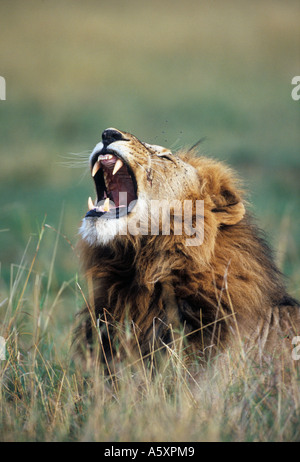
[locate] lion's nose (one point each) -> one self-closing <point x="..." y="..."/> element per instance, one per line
<point x="110" y="135"/>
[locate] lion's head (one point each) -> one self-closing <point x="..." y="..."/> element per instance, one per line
<point x="136" y="181"/>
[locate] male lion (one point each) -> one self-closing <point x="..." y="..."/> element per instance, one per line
<point x="219" y="290"/>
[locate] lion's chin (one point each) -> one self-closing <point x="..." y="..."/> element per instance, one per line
<point x="101" y="231"/>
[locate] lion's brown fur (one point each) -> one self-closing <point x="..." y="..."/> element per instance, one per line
<point x="226" y="290"/>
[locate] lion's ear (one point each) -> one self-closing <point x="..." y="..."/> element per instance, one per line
<point x="229" y="208"/>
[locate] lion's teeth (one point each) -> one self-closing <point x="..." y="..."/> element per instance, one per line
<point x="96" y="168"/>
<point x="106" y="205"/>
<point x="118" y="165"/>
<point x="90" y="204"/>
<point x="105" y="157"/>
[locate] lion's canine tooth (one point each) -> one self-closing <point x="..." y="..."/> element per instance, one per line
<point x="90" y="204"/>
<point x="106" y="205"/>
<point x="118" y="165"/>
<point x="96" y="167"/>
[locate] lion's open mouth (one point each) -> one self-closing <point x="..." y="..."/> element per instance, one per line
<point x="115" y="187"/>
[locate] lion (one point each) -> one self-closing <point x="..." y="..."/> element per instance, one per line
<point x="196" y="271"/>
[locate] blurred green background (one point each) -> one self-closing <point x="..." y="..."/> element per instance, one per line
<point x="170" y="72"/>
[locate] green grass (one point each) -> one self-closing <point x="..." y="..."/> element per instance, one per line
<point x="170" y="72"/>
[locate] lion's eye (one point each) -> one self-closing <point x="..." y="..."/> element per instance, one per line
<point x="168" y="157"/>
<point x="165" y="156"/>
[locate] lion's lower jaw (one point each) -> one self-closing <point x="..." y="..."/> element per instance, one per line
<point x="102" y="231"/>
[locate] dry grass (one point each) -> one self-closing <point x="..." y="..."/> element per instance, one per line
<point x="44" y="396"/>
<point x="169" y="72"/>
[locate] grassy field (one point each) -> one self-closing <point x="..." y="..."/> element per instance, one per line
<point x="170" y="72"/>
<point x="44" y="396"/>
